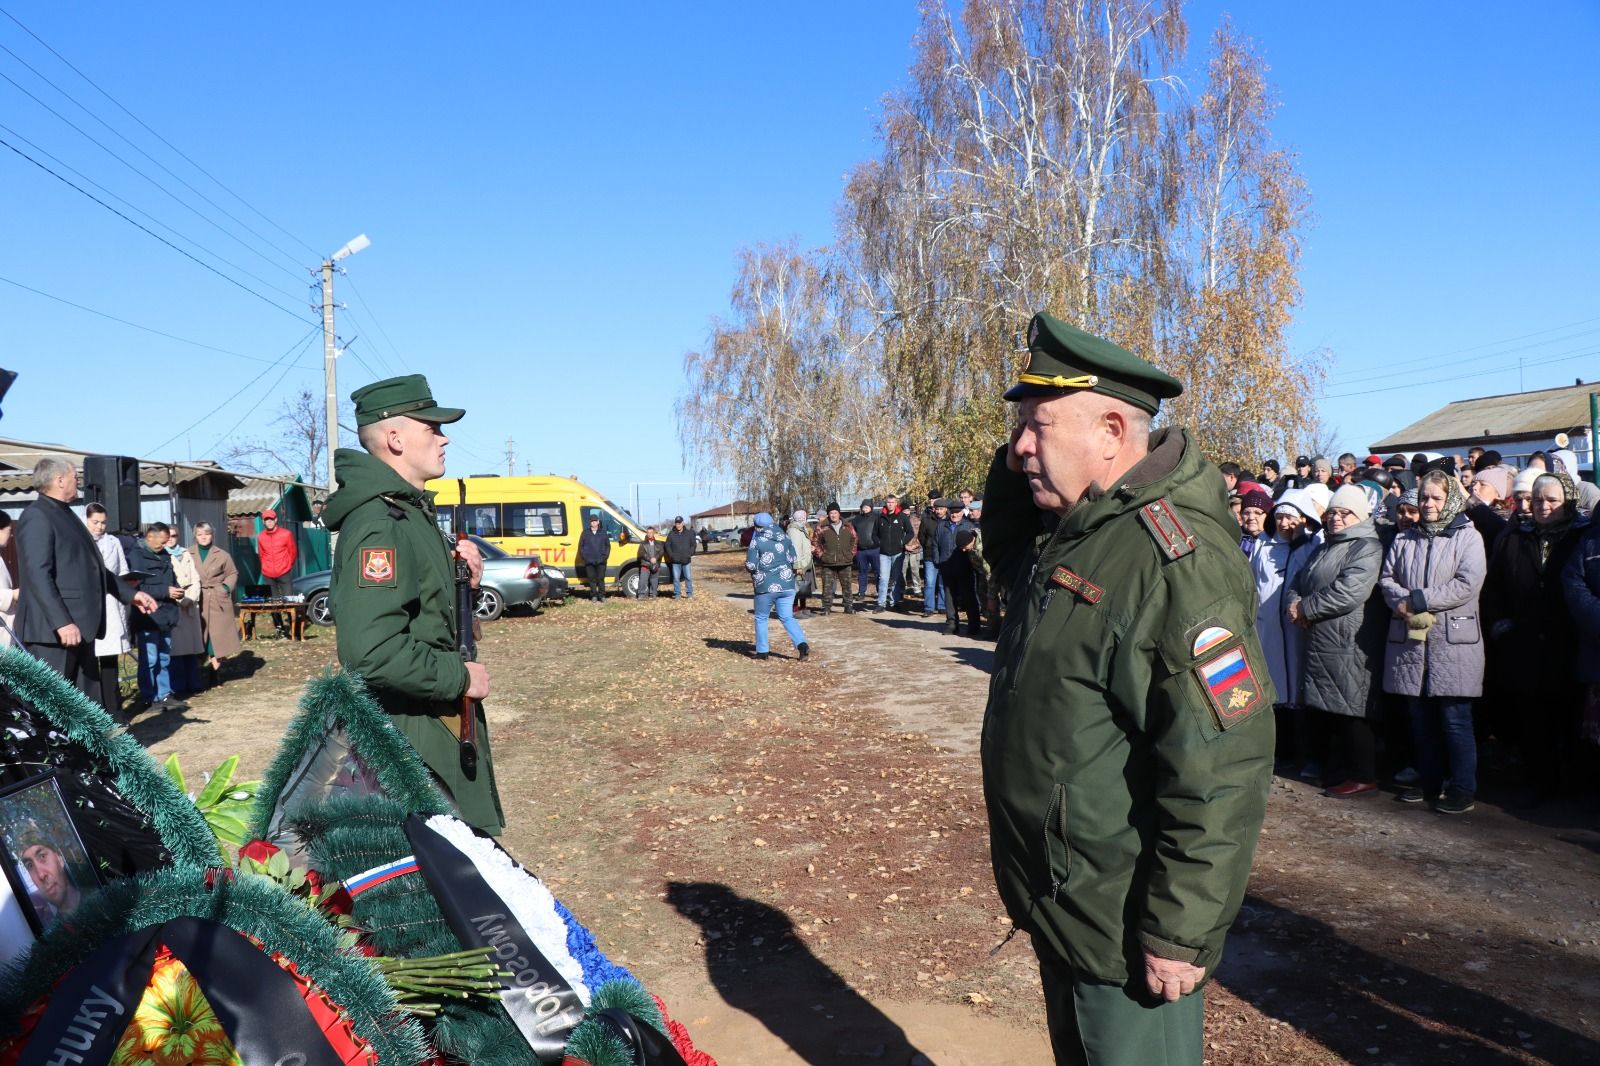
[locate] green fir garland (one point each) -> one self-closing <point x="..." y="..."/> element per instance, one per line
<point x="338" y="698"/>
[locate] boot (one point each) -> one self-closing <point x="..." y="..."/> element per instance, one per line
<point x="805" y="650"/>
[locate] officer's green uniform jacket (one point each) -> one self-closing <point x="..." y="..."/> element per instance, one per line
<point x="394" y="603"/>
<point x="1125" y="772"/>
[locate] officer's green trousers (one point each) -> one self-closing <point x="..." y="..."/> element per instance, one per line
<point x="1104" y="1025"/>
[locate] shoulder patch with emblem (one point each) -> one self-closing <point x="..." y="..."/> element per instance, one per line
<point x="1090" y="592"/>
<point x="1230" y="685"/>
<point x="1160" y="519"/>
<point x="378" y="566"/>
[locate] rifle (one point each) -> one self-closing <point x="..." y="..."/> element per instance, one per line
<point x="468" y="644"/>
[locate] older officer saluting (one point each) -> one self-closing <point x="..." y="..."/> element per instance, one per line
<point x="1127" y="745"/>
<point x="394" y="588"/>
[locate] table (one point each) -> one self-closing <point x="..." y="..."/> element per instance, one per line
<point x="249" y="611"/>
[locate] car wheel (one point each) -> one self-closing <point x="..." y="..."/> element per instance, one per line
<point x="487" y="605"/>
<point x="319" y="609"/>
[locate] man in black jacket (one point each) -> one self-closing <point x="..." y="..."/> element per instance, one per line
<point x="680" y="553"/>
<point x="594" y="553"/>
<point x="64" y="580"/>
<point x="153" y="632"/>
<point x="895" y="532"/>
<point x="866" y="525"/>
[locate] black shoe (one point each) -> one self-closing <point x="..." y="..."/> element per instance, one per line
<point x="171" y="703"/>
<point x="762" y="655"/>
<point x="1411" y="795"/>
<point x="804" y="649"/>
<point x="1455" y="803"/>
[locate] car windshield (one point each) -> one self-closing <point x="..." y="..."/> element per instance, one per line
<point x="489" y="551"/>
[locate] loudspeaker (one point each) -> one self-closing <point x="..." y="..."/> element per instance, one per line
<point x="113" y="482"/>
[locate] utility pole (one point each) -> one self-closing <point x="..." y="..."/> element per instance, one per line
<point x="511" y="457"/>
<point x="329" y="351"/>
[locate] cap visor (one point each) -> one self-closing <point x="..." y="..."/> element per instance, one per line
<point x="1026" y="391"/>
<point x="438" y="414"/>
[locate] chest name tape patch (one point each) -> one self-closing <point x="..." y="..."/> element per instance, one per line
<point x="1090" y="592"/>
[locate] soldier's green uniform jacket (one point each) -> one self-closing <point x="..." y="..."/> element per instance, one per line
<point x="1127" y="746"/>
<point x="394" y="603"/>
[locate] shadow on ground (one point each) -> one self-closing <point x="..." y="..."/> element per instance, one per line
<point x="759" y="965"/>
<point x="1367" y="1008"/>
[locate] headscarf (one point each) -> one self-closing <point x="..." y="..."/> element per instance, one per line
<point x="1410" y="498"/>
<point x="1569" y="494"/>
<point x="1568" y="462"/>
<point x="1455" y="501"/>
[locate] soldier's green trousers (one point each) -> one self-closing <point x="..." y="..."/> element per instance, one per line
<point x="1103" y="1025"/>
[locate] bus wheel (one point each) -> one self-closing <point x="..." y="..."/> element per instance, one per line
<point x="628" y="582"/>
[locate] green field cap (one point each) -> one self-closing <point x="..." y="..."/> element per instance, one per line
<point x="408" y="395"/>
<point x="1062" y="357"/>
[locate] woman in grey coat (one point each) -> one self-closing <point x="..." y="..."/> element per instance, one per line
<point x="1434" y="656"/>
<point x="1333" y="601"/>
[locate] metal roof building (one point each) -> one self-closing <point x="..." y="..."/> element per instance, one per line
<point x="1515" y="424"/>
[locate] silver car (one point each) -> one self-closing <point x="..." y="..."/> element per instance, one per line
<point x="508" y="581"/>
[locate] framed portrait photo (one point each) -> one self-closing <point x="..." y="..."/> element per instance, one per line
<point x="48" y="870"/>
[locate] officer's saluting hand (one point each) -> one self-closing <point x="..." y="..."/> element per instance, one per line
<point x="394" y="583"/>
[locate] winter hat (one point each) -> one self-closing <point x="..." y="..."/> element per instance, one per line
<point x="799" y="515"/>
<point x="1272" y="465"/>
<point x="1409" y="498"/>
<point x="1498" y="478"/>
<point x="1568" y="461"/>
<point x="1486" y="460"/>
<point x="866" y="503"/>
<point x="1320" y="462"/>
<point x="1257" y="499"/>
<point x="1318" y="496"/>
<point x="966" y="537"/>
<point x="1524" y="480"/>
<point x="763" y="520"/>
<point x="1353" y="499"/>
<point x="1246" y="486"/>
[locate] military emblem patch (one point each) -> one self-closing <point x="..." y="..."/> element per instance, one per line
<point x="1230" y="686"/>
<point x="1210" y="637"/>
<point x="1090" y="592"/>
<point x="377" y="566"/>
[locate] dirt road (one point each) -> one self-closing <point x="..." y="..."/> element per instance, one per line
<point x="794" y="855"/>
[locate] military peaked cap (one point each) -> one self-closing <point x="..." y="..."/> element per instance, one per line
<point x="408" y="395"/>
<point x="1062" y="358"/>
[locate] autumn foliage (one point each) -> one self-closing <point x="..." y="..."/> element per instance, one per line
<point x="1047" y="154"/>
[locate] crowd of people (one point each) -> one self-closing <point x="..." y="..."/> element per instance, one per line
<point x="67" y="583"/>
<point x="1415" y="611"/>
<point x="868" y="562"/>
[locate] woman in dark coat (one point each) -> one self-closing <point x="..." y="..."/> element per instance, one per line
<point x="1333" y="601"/>
<point x="1535" y="707"/>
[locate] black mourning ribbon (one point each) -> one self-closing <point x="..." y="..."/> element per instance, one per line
<point x="256" y="1001"/>
<point x="541" y="1002"/>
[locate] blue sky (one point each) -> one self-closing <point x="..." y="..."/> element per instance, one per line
<point x="555" y="199"/>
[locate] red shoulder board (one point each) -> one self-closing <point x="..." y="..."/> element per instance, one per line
<point x="1161" y="521"/>
<point x="1074" y="583"/>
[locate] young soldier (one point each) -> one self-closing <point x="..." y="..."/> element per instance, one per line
<point x="394" y="587"/>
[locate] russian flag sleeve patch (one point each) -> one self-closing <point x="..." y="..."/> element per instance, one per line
<point x="1230" y="685"/>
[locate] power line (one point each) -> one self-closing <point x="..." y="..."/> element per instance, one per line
<point x="172" y="195"/>
<point x="140" y="211"/>
<point x="270" y="390"/>
<point x="1563" y="358"/>
<point x="1387" y="364"/>
<point x="133" y="222"/>
<point x="1469" y="359"/>
<point x="135" y="325"/>
<point x="294" y="349"/>
<point x="377" y="353"/>
<point x="168" y="170"/>
<point x="95" y="85"/>
<point x="373" y="317"/>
